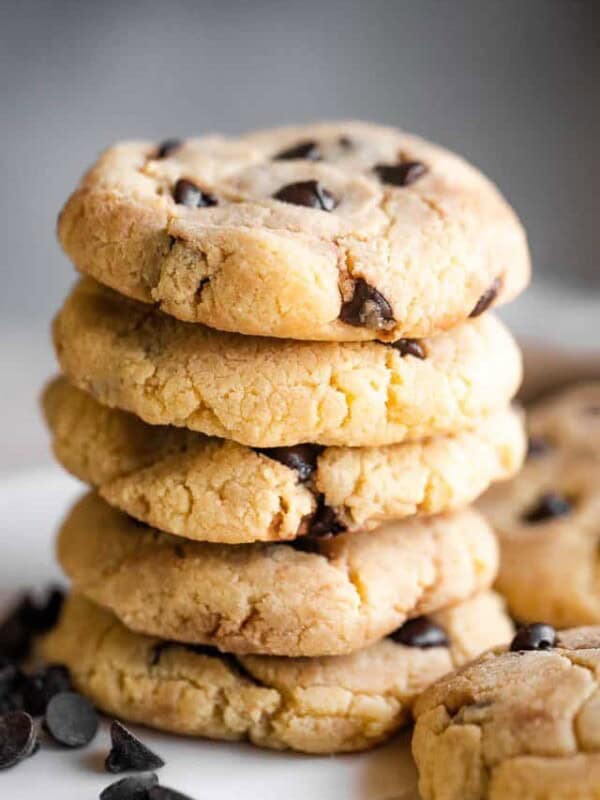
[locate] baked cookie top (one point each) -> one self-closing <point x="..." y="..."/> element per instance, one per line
<point x="515" y="725"/>
<point x="339" y="231"/>
<point x="321" y="705"/>
<point x="274" y="393"/>
<point x="216" y="490"/>
<point x="567" y="419"/>
<point x="327" y="595"/>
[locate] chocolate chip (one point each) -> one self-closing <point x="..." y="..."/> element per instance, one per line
<point x="402" y="174"/>
<point x="548" y="506"/>
<point x="17" y="738"/>
<point x="307" y="193"/>
<point x="167" y="147"/>
<point x="309" y="150"/>
<point x="368" y="308"/>
<point x="29" y="618"/>
<point x="128" y="753"/>
<point x="134" y="788"/>
<point x="41" y="686"/>
<point x="302" y="457"/>
<point x="537" y="446"/>
<point x="537" y="636"/>
<point x="324" y="521"/>
<point x="410" y="347"/>
<point x="345" y="142"/>
<point x="71" y="719"/>
<point x="12" y="681"/>
<point x="307" y="544"/>
<point x="202" y="283"/>
<point x="164" y="793"/>
<point x="420" y="632"/>
<point x="186" y="193"/>
<point x="487" y="298"/>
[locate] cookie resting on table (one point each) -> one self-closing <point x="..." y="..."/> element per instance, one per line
<point x="273" y="393"/>
<point x="340" y="231"/>
<point x="318" y="595"/>
<point x="324" y="705"/>
<point x="216" y="490"/>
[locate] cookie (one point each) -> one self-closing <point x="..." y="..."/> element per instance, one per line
<point x="218" y="491"/>
<point x="568" y="419"/>
<point x="340" y="231"/>
<point x="275" y="393"/>
<point x="325" y="705"/>
<point x="325" y="595"/>
<point x="547" y="525"/>
<point x="517" y="725"/>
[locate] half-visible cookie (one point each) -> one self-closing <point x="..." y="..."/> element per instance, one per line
<point x="325" y="705"/>
<point x="325" y="595"/>
<point x="218" y="491"/>
<point x="339" y="231"/>
<point x="515" y="725"/>
<point x="270" y="392"/>
<point x="568" y="419"/>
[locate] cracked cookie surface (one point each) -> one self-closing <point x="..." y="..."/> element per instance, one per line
<point x="270" y="392"/>
<point x="335" y="595"/>
<point x="216" y="490"/>
<point x="514" y="725"/>
<point x="324" y="705"/>
<point x="339" y="231"/>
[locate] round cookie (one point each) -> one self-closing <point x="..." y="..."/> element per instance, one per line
<point x="276" y="393"/>
<point x="325" y="705"/>
<point x="568" y="419"/>
<point x="218" y="491"/>
<point x="517" y="725"/>
<point x="326" y="595"/>
<point x="546" y="520"/>
<point x="340" y="231"/>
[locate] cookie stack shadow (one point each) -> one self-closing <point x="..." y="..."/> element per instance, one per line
<point x="283" y="384"/>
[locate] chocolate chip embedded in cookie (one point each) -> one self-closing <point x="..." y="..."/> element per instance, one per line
<point x="324" y="705"/>
<point x="302" y="213"/>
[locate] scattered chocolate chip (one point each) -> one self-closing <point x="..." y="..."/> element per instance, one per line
<point x="164" y="793"/>
<point x="537" y="446"/>
<point x="137" y="787"/>
<point x="549" y="505"/>
<point x="402" y="174"/>
<point x="410" y="347"/>
<point x="368" y="308"/>
<point x="41" y="686"/>
<point x="71" y="719"/>
<point x="307" y="193"/>
<point x="420" y="632"/>
<point x="186" y="193"/>
<point x="537" y="636"/>
<point x="128" y="753"/>
<point x="30" y="617"/>
<point x="167" y="147"/>
<point x="12" y="681"/>
<point x="324" y="521"/>
<point x="487" y="298"/>
<point x="309" y="150"/>
<point x="302" y="457"/>
<point x="17" y="738"/>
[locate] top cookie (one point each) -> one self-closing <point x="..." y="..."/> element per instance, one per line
<point x="340" y="231"/>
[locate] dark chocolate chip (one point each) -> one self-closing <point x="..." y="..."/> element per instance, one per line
<point x="402" y="174"/>
<point x="41" y="686"/>
<point x="307" y="193"/>
<point x="307" y="544"/>
<point x="302" y="458"/>
<point x="345" y="142"/>
<point x="368" y="308"/>
<point x="165" y="793"/>
<point x="537" y="636"/>
<point x="410" y="347"/>
<point x="71" y="719"/>
<point x="167" y="147"/>
<point x="548" y="506"/>
<point x="324" y="521"/>
<point x="17" y="738"/>
<point x="186" y="193"/>
<point x="537" y="446"/>
<point x="12" y="682"/>
<point x="309" y="150"/>
<point x="30" y="617"/>
<point x="487" y="298"/>
<point x="136" y="787"/>
<point x="128" y="753"/>
<point x="420" y="632"/>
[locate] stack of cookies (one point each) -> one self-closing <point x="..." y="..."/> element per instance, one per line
<point x="279" y="379"/>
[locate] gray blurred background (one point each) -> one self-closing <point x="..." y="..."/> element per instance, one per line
<point x="511" y="84"/>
